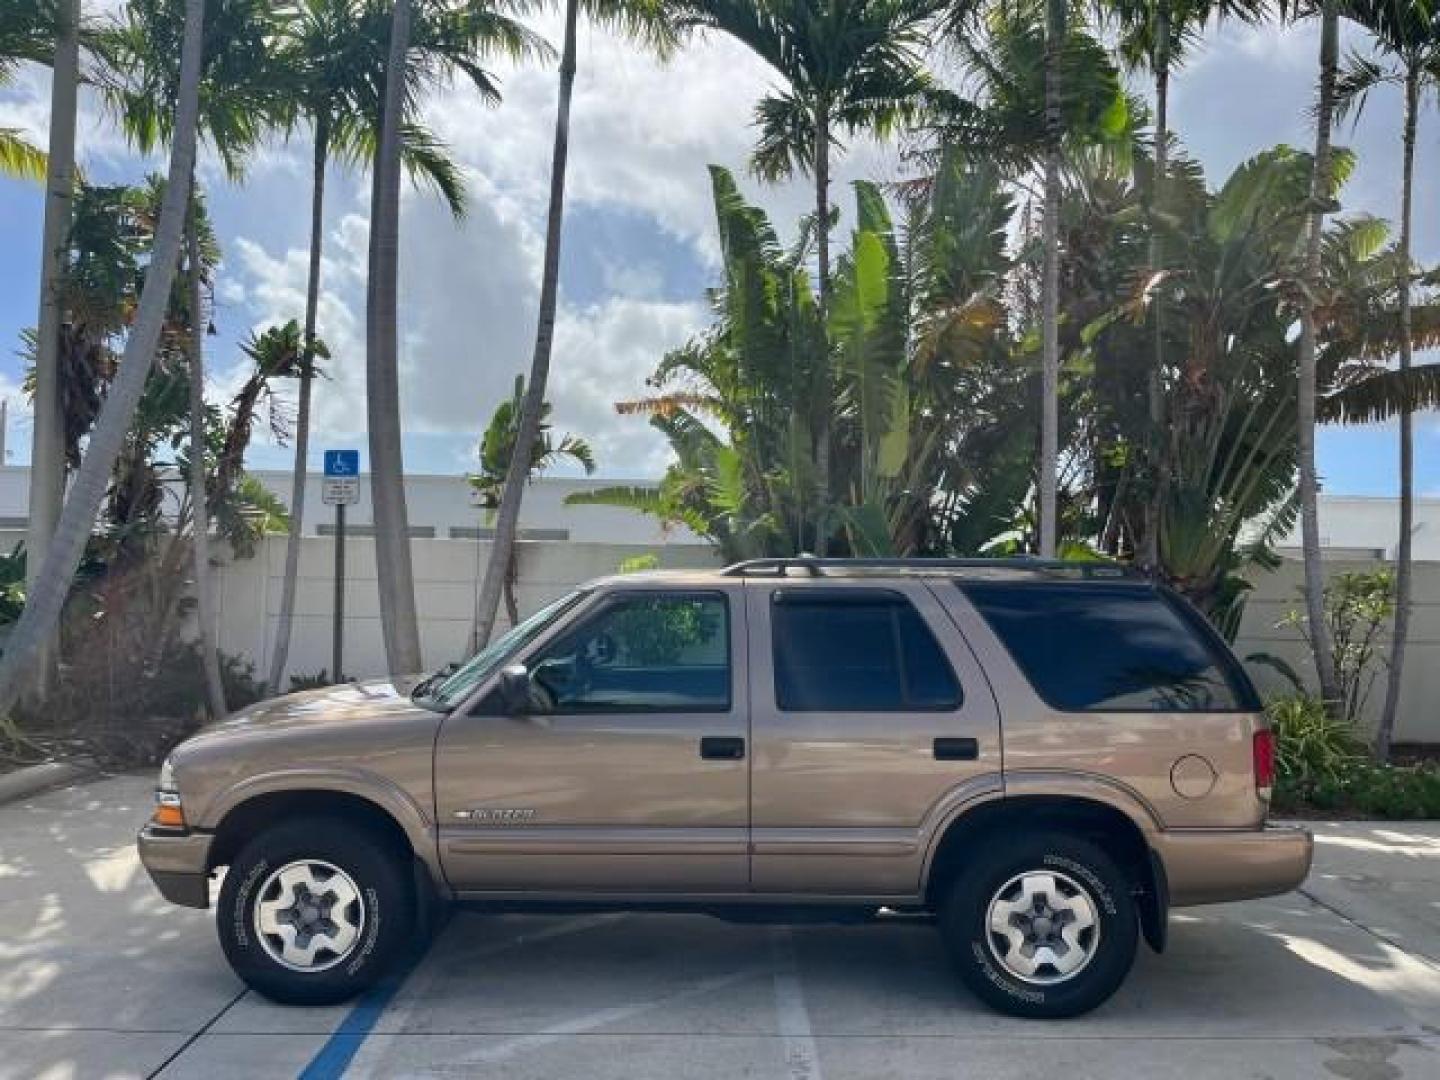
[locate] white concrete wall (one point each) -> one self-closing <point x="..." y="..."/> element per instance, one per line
<point x="1277" y="593"/>
<point x="447" y="574"/>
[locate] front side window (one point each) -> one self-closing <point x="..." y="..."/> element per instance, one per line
<point x="1091" y="647"/>
<point x="857" y="651"/>
<point x="649" y="652"/>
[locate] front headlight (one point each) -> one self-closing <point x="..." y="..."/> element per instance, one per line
<point x="168" y="812"/>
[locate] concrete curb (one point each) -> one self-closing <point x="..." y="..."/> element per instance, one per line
<point x="33" y="779"/>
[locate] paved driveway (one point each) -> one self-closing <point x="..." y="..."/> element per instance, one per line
<point x="98" y="977"/>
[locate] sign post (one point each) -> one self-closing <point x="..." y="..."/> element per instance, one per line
<point x="340" y="489"/>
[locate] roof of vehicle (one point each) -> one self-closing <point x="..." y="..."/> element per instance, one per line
<point x="1022" y="568"/>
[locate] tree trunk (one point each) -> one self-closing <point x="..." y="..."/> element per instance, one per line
<point x="1155" y="388"/>
<point x="1385" y="733"/>
<point x="1050" y="284"/>
<point x="824" y="434"/>
<point x="47" y="454"/>
<point x="199" y="499"/>
<point x="387" y="469"/>
<point x="38" y="621"/>
<point x="302" y="414"/>
<point x="512" y="609"/>
<point x="508" y="518"/>
<point x="1320" y="194"/>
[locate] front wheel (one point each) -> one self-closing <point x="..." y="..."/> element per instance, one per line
<point x="1044" y="928"/>
<point x="312" y="913"/>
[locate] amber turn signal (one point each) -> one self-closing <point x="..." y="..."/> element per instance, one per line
<point x="168" y="815"/>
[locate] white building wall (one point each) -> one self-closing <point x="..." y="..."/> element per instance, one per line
<point x="1365" y="527"/>
<point x="437" y="505"/>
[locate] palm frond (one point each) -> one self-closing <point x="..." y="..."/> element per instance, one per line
<point x="20" y="159"/>
<point x="1383" y="395"/>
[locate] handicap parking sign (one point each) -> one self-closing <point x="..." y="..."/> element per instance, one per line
<point x="342" y="462"/>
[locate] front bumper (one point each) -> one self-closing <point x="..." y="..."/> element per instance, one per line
<point x="1210" y="866"/>
<point x="178" y="864"/>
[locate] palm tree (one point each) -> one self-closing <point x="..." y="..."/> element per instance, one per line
<point x="486" y="32"/>
<point x="1408" y="35"/>
<point x="497" y="450"/>
<point x="1045" y="90"/>
<point x="849" y="66"/>
<point x="651" y="21"/>
<point x="1055" y="29"/>
<point x="47" y="458"/>
<point x="37" y="32"/>
<point x="42" y="611"/>
<point x="199" y="500"/>
<point x="1155" y="34"/>
<point x="239" y="103"/>
<point x="331" y="54"/>
<point x="1320" y="202"/>
<point x="382" y="379"/>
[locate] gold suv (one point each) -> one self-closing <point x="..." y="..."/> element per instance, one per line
<point x="1047" y="756"/>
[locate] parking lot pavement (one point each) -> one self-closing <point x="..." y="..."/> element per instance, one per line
<point x="99" y="977"/>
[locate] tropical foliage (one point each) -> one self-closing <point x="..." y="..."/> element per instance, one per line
<point x="497" y="451"/>
<point x="1048" y="330"/>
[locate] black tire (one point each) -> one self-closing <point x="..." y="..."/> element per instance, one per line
<point x="385" y="915"/>
<point x="1078" y="867"/>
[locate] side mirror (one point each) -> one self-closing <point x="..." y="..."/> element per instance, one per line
<point x="515" y="689"/>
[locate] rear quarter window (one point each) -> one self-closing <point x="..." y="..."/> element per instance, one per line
<point x="1093" y="647"/>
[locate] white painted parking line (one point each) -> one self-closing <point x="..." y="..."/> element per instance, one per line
<point x="801" y="1061"/>
<point x="370" y="1059"/>
<point x="601" y="1018"/>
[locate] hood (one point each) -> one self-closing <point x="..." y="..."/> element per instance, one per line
<point x="347" y="703"/>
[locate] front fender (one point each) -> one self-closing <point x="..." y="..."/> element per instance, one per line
<point x="413" y="818"/>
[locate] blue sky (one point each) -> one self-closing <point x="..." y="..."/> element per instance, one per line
<point x="638" y="247"/>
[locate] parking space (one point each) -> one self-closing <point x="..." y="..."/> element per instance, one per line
<point x="98" y="976"/>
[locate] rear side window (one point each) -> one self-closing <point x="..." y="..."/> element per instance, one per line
<point x="857" y="651"/>
<point x="1090" y="647"/>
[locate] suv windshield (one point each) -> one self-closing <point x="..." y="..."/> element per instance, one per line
<point x="474" y="671"/>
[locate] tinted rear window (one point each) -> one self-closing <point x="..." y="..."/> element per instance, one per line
<point x="858" y="651"/>
<point x="1089" y="647"/>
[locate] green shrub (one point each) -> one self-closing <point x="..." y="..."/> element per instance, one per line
<point x="1379" y="791"/>
<point x="1311" y="745"/>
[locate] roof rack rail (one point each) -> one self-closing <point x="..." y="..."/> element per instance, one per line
<point x="816" y="566"/>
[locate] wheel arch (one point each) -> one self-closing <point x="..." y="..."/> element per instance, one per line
<point x="1101" y="821"/>
<point x="253" y="808"/>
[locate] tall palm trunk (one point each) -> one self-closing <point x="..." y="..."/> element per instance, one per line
<point x="507" y="521"/>
<point x="302" y="415"/>
<point x="387" y="468"/>
<point x="1320" y="187"/>
<point x="38" y="621"/>
<point x="1385" y="733"/>
<point x="47" y="454"/>
<point x="1050" y="283"/>
<point x="199" y="499"/>
<point x="1155" y="388"/>
<point x="823" y="436"/>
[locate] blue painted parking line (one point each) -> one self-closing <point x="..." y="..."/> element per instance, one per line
<point x="332" y="1059"/>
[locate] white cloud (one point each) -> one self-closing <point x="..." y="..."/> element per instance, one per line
<point x="468" y="300"/>
<point x="642" y="132"/>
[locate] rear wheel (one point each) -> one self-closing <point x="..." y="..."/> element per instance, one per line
<point x="1044" y="928"/>
<point x="313" y="912"/>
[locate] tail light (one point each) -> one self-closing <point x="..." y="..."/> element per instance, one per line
<point x="1264" y="753"/>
